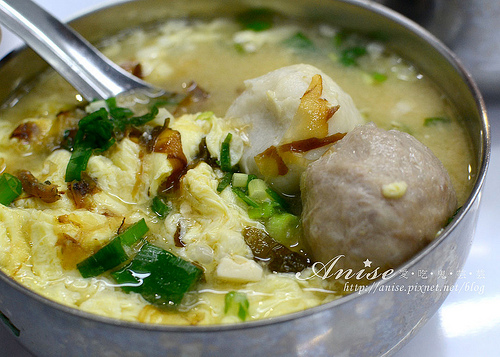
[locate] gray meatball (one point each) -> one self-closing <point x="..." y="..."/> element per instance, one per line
<point x="377" y="195"/>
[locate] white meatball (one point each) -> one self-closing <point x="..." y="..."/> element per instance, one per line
<point x="268" y="107"/>
<point x="377" y="195"/>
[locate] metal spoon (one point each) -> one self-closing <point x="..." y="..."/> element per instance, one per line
<point x="92" y="74"/>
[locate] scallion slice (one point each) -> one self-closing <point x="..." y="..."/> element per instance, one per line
<point x="350" y="55"/>
<point x="160" y="207"/>
<point x="258" y="19"/>
<point x="113" y="253"/>
<point x="225" y="154"/>
<point x="77" y="163"/>
<point x="300" y="41"/>
<point x="278" y="199"/>
<point x="225" y="181"/>
<point x="266" y="210"/>
<point x="379" y="77"/>
<point x="108" y="257"/>
<point x="143" y="119"/>
<point x="257" y="190"/>
<point x="283" y="227"/>
<point x="239" y="180"/>
<point x="10" y="188"/>
<point x="133" y="233"/>
<point x="432" y="121"/>
<point x="95" y="132"/>
<point x="238" y="302"/>
<point x="159" y="276"/>
<point x="241" y="194"/>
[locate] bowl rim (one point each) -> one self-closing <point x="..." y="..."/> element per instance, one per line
<point x="483" y="163"/>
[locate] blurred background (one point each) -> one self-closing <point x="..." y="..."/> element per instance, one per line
<point x="471" y="28"/>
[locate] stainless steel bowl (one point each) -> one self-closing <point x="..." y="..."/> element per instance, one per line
<point x="372" y="323"/>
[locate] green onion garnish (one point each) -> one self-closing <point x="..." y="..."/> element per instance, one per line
<point x="278" y="199"/>
<point x="340" y="38"/>
<point x="77" y="163"/>
<point x="108" y="257"/>
<point x="240" y="180"/>
<point x="98" y="131"/>
<point x="225" y="154"/>
<point x="436" y="121"/>
<point x="133" y="233"/>
<point x="160" y="207"/>
<point x="238" y="302"/>
<point x="159" y="276"/>
<point x="113" y="253"/>
<point x="300" y="41"/>
<point x="257" y="190"/>
<point x="350" y="55"/>
<point x="95" y="132"/>
<point x="243" y="196"/>
<point x="143" y="119"/>
<point x="264" y="211"/>
<point x="379" y="77"/>
<point x="259" y="19"/>
<point x="10" y="188"/>
<point x="225" y="181"/>
<point x="123" y="117"/>
<point x="283" y="227"/>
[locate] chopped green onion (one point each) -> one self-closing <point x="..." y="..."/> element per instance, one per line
<point x="379" y="77"/>
<point x="133" y="233"/>
<point x="251" y="177"/>
<point x="160" y="207"/>
<point x="225" y="154"/>
<point x="113" y="253"/>
<point x="339" y="38"/>
<point x="258" y="19"/>
<point x="333" y="57"/>
<point x="257" y="190"/>
<point x="10" y="188"/>
<point x="300" y="41"/>
<point x="159" y="276"/>
<point x="264" y="211"/>
<point x="77" y="163"/>
<point x="283" y="227"/>
<point x="119" y="116"/>
<point x="95" y="132"/>
<point x="242" y="195"/>
<point x="143" y="119"/>
<point x="122" y="117"/>
<point x="205" y="116"/>
<point x="239" y="180"/>
<point x="240" y="48"/>
<point x="111" y="102"/>
<point x="108" y="257"/>
<point x="225" y="181"/>
<point x="238" y="302"/>
<point x="436" y="121"/>
<point x="278" y="199"/>
<point x="350" y="55"/>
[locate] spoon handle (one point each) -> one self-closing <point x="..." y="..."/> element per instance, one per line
<point x="92" y="74"/>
